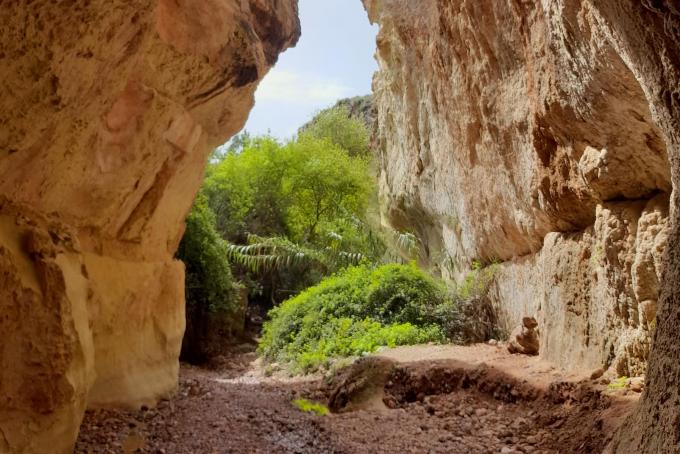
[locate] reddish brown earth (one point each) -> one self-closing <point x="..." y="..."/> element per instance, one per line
<point x="435" y="399"/>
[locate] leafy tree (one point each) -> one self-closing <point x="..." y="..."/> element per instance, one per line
<point x="245" y="192"/>
<point x="339" y="127"/>
<point x="294" y="212"/>
<point x="239" y="142"/>
<point x="235" y="145"/>
<point x="324" y="184"/>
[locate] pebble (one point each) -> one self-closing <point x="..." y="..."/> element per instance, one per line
<point x="636" y="384"/>
<point x="481" y="411"/>
<point x="597" y="373"/>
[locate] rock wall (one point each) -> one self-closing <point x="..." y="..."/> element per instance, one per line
<point x="537" y="134"/>
<point x="540" y="133"/>
<point x="594" y="291"/>
<point x="108" y="112"/>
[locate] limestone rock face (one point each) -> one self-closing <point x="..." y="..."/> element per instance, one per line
<point x="536" y="134"/>
<point x="108" y="112"/>
<point x="592" y="290"/>
<point x="544" y="134"/>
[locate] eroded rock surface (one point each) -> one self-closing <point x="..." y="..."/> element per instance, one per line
<point x="540" y="133"/>
<point x="522" y="132"/>
<point x="107" y="115"/>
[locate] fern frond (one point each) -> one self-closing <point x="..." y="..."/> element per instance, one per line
<point x="265" y="254"/>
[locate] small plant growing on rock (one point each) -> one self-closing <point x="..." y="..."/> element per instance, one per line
<point x="468" y="316"/>
<point x="617" y="384"/>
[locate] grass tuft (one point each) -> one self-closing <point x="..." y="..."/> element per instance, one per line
<point x="310" y="407"/>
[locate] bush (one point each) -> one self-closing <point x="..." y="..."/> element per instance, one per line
<point x="468" y="315"/>
<point x="213" y="311"/>
<point x="311" y="407"/>
<point x="354" y="312"/>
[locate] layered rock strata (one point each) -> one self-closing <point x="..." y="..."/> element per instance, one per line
<point x="107" y="115"/>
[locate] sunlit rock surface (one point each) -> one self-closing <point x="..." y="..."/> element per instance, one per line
<point x="543" y="135"/>
<point x="527" y="133"/>
<point x="107" y="115"/>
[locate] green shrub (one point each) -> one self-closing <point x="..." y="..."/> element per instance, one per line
<point x="618" y="384"/>
<point x="352" y="313"/>
<point x="402" y="294"/>
<point x="468" y="315"/>
<point x="310" y="407"/>
<point x="213" y="312"/>
<point x="209" y="283"/>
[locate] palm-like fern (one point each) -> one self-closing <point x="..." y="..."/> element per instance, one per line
<point x="407" y="243"/>
<point x="264" y="254"/>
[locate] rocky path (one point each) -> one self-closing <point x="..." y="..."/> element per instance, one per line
<point x="434" y="406"/>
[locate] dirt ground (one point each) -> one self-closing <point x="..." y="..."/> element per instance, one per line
<point x="425" y="399"/>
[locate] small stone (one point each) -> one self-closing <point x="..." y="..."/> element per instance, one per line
<point x="492" y="342"/>
<point x="636" y="384"/>
<point x="533" y="439"/>
<point x="597" y="373"/>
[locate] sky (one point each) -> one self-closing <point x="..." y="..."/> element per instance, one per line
<point x="332" y="60"/>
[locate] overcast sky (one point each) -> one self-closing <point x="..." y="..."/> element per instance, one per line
<point x="332" y="60"/>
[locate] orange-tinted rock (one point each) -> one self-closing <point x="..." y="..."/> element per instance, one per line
<point x="107" y="116"/>
<point x="545" y="134"/>
<point x="523" y="133"/>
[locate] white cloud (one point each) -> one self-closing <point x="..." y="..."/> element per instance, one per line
<point x="299" y="88"/>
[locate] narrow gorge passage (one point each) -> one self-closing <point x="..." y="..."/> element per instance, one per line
<point x="502" y="165"/>
<point x="519" y="405"/>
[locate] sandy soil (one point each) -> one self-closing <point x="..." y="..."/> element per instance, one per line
<point x="437" y="399"/>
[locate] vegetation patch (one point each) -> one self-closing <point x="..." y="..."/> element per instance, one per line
<point x="295" y="212"/>
<point x="213" y="309"/>
<point x="310" y="407"/>
<point x="355" y="312"/>
<point x="617" y="384"/>
<point x="303" y="214"/>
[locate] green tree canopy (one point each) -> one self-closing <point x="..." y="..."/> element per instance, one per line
<point x="324" y="185"/>
<point x="244" y="190"/>
<point x="301" y="203"/>
<point x="337" y="126"/>
<point x="305" y="190"/>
